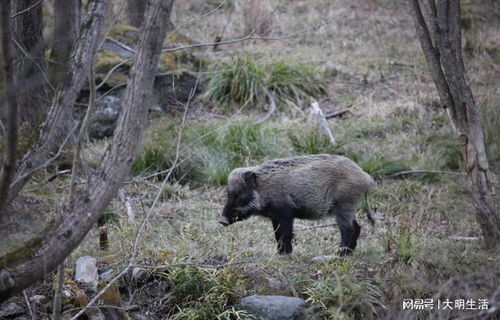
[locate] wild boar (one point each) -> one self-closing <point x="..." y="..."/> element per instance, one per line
<point x="303" y="187"/>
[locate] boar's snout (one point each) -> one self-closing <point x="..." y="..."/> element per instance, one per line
<point x="224" y="221"/>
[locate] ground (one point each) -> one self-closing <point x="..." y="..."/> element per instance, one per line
<point x="426" y="242"/>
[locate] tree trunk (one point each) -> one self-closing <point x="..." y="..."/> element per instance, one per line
<point x="104" y="183"/>
<point x="67" y="19"/>
<point x="9" y="161"/>
<point x="30" y="66"/>
<point x="59" y="121"/>
<point x="135" y="11"/>
<point x="439" y="31"/>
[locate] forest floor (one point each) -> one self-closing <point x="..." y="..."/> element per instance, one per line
<point x="426" y="243"/>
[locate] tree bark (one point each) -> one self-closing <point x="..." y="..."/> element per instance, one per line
<point x="9" y="162"/>
<point x="30" y="66"/>
<point x="135" y="11"/>
<point x="59" y="121"/>
<point x="67" y="19"/>
<point x="440" y="36"/>
<point x="104" y="183"/>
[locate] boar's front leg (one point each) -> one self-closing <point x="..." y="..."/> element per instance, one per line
<point x="283" y="230"/>
<point x="349" y="229"/>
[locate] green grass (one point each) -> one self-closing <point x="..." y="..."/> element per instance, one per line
<point x="246" y="80"/>
<point x="200" y="294"/>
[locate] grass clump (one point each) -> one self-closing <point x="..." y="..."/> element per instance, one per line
<point x="311" y="141"/>
<point x="151" y="159"/>
<point x="199" y="293"/>
<point x="236" y="82"/>
<point x="245" y="80"/>
<point x="445" y="147"/>
<point x="380" y="167"/>
<point x="341" y="292"/>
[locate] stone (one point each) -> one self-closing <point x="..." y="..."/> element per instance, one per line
<point x="139" y="274"/>
<point x="38" y="299"/>
<point x="10" y="309"/>
<point x="263" y="282"/>
<point x="86" y="272"/>
<point x="273" y="307"/>
<point x="324" y="258"/>
<point x="106" y="275"/>
<point x="103" y="122"/>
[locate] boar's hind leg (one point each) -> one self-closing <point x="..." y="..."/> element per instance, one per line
<point x="349" y="230"/>
<point x="283" y="230"/>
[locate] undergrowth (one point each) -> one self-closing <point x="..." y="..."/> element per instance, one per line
<point x="248" y="80"/>
<point x="210" y="151"/>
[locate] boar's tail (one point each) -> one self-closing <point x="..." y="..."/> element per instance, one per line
<point x="369" y="212"/>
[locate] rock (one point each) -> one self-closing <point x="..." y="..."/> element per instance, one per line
<point x="106" y="275"/>
<point x="273" y="307"/>
<point x="10" y="309"/>
<point x="95" y="314"/>
<point x="139" y="274"/>
<point x="103" y="122"/>
<point x="263" y="282"/>
<point x="323" y="258"/>
<point x="173" y="88"/>
<point x="86" y="272"/>
<point x="170" y="89"/>
<point x="38" y="299"/>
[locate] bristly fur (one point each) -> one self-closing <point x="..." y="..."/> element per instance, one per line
<point x="305" y="187"/>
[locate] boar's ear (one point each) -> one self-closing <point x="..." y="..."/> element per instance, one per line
<point x="250" y="179"/>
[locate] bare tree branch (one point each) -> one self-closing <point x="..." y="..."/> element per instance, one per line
<point x="114" y="167"/>
<point x="39" y="2"/>
<point x="322" y="121"/>
<point x="59" y="119"/>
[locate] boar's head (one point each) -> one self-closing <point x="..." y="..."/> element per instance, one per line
<point x="243" y="199"/>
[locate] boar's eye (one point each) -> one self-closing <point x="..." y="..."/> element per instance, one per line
<point x="243" y="199"/>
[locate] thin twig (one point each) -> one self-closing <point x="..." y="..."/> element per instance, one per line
<point x="32" y="315"/>
<point x="81" y="135"/>
<point x="128" y="207"/>
<point x="146" y="219"/>
<point x="248" y="37"/>
<point x="339" y="113"/>
<point x="121" y="45"/>
<point x="57" y="304"/>
<point x="196" y="18"/>
<point x="201" y="45"/>
<point x="39" y="67"/>
<point x="322" y="121"/>
<point x="402" y="173"/>
<point x="49" y="161"/>
<point x="272" y="108"/>
<point x="26" y="10"/>
<point x="202" y="265"/>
